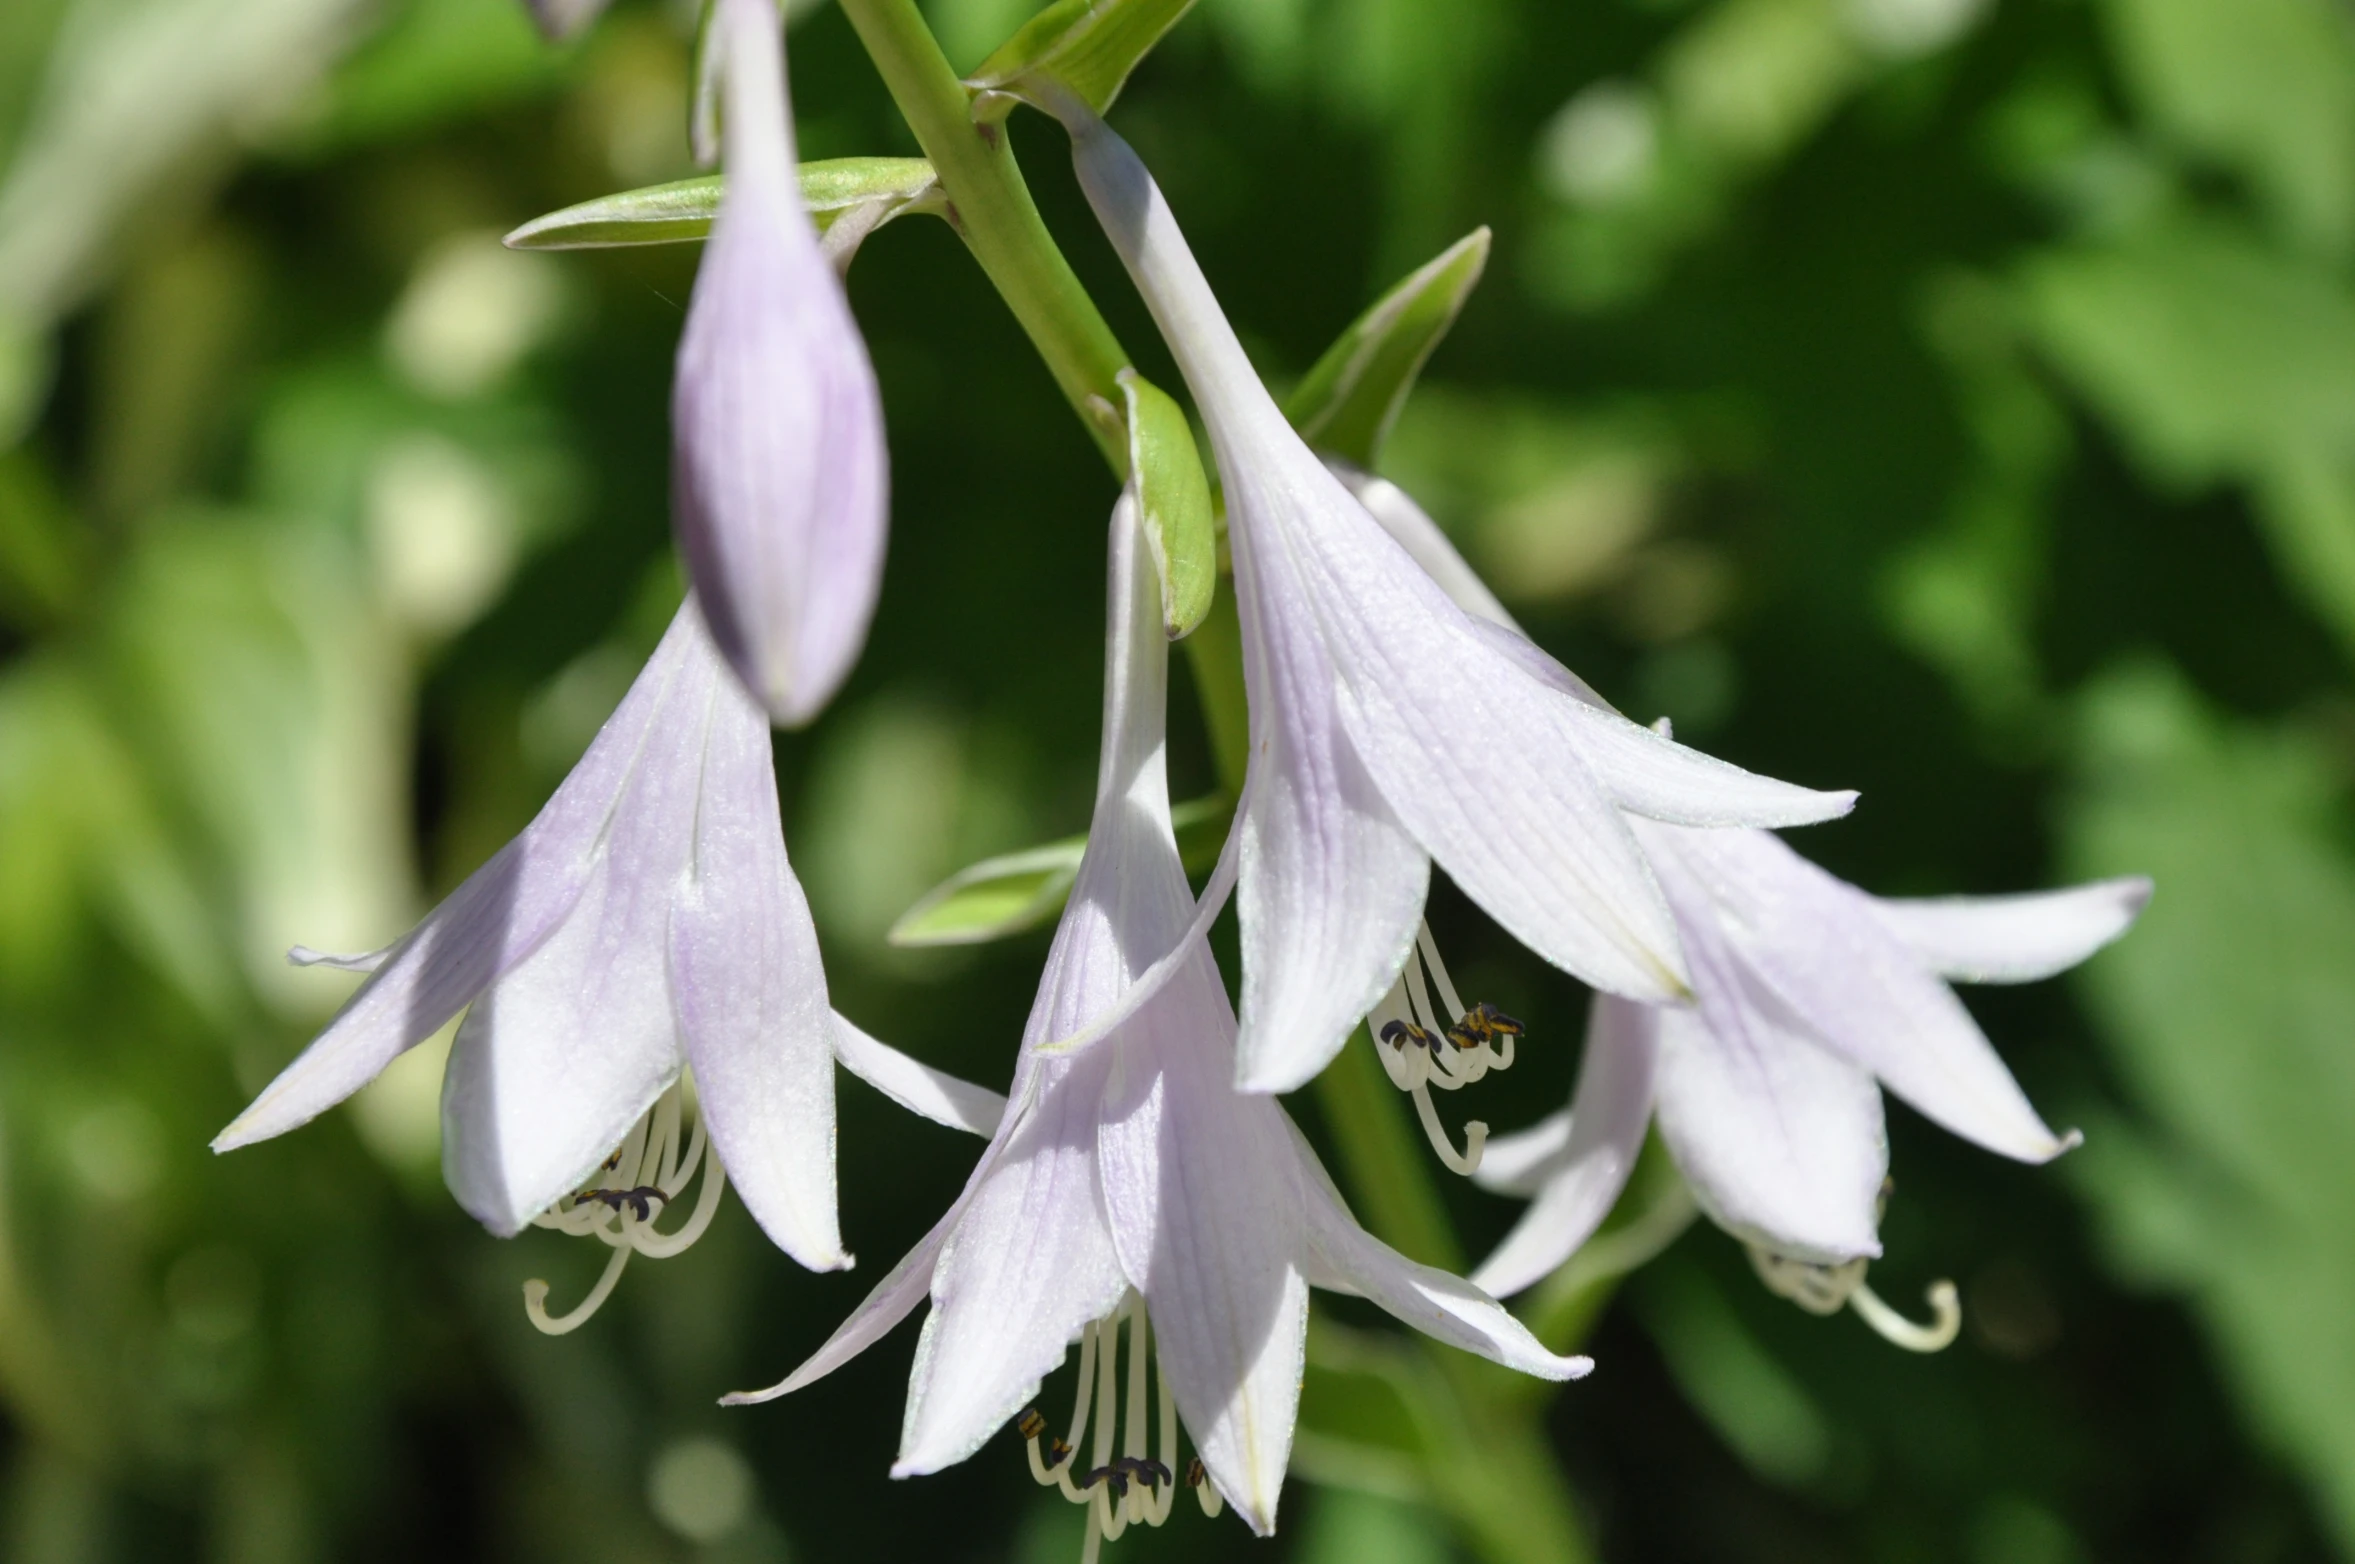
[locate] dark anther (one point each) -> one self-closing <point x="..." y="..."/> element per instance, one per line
<point x="640" y="1200"/>
<point x="1112" y="1476"/>
<point x="1031" y="1425"/>
<point x="1195" y="1475"/>
<point x="1400" y="1033"/>
<point x="1151" y="1473"/>
<point x="1483" y="1023"/>
<point x="1057" y="1453"/>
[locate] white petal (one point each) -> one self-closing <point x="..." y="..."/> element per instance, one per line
<point x="1608" y="1116"/>
<point x="891" y="1302"/>
<point x="1520" y="1162"/>
<point x="778" y="466"/>
<point x="1823" y="949"/>
<point x="493" y="921"/>
<point x="2015" y="939"/>
<point x="1781" y="1142"/>
<point x="1330" y="886"/>
<point x="1427" y="543"/>
<point x="915" y="1085"/>
<point x="1027" y="1265"/>
<point x="1347" y="1258"/>
<point x="360" y="961"/>
<point x="750" y="994"/>
<point x="553" y="1065"/>
<point x="1200" y="1187"/>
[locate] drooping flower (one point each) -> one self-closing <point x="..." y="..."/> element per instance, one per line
<point x="1132" y="1181"/>
<point x="778" y="473"/>
<point x="1809" y="995"/>
<point x="646" y="924"/>
<point x="1389" y="728"/>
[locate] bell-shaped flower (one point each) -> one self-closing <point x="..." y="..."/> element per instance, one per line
<point x="646" y="924"/>
<point x="1809" y="995"/>
<point x="1389" y="728"/>
<point x="1132" y="1182"/>
<point x="778" y="473"/>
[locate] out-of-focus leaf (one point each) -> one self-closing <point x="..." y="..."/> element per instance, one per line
<point x="1086" y="47"/>
<point x="2217" y="358"/>
<point x="1756" y="1405"/>
<point x="1017" y="891"/>
<point x="1173" y="497"/>
<point x="683" y="210"/>
<point x="2265" y="87"/>
<point x="130" y="101"/>
<point x="271" y="691"/>
<point x="1349" y="399"/>
<point x="433" y="61"/>
<point x="2227" y="1015"/>
<point x="42" y="552"/>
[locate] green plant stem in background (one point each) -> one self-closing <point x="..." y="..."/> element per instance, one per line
<point x="990" y="206"/>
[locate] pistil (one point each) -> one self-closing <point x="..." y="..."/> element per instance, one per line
<point x="1133" y="1486"/>
<point x="631" y="1192"/>
<point x="1420" y="1050"/>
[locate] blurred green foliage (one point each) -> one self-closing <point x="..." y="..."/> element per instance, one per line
<point x="1949" y="398"/>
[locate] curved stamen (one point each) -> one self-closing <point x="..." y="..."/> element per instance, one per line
<point x="1898" y="1331"/>
<point x="633" y="1189"/>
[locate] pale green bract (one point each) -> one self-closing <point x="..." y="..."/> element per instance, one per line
<point x="683" y="210"/>
<point x="1087" y="47"/>
<point x="1346" y="403"/>
<point x="1173" y="496"/>
<point x="1007" y="894"/>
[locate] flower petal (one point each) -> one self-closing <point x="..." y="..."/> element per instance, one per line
<point x="1028" y="1263"/>
<point x="778" y="466"/>
<point x="489" y="924"/>
<point x="891" y="1302"/>
<point x="1427" y="543"/>
<point x="1346" y="1258"/>
<point x="2015" y="939"/>
<point x="750" y="993"/>
<point x="915" y="1085"/>
<point x="1781" y="1142"/>
<point x="1608" y="1117"/>
<point x="1823" y="949"/>
<point x="1200" y="1189"/>
<point x="1520" y="1162"/>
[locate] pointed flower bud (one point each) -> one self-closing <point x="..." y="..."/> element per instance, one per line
<point x="778" y="485"/>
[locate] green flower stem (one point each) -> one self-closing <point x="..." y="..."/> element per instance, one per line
<point x="990" y="206"/>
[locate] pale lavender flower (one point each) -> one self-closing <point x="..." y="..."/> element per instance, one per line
<point x="1131" y="1180"/>
<point x="1389" y="728"/>
<point x="645" y="924"/>
<point x="778" y="477"/>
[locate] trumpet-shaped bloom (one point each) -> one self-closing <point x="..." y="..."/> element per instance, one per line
<point x="1134" y="1168"/>
<point x="1390" y="728"/>
<point x="778" y="473"/>
<point x="1810" y="995"/>
<point x="644" y="924"/>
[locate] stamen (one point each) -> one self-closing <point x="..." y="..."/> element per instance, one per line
<point x="1137" y="1485"/>
<point x="1898" y="1331"/>
<point x="637" y="1185"/>
<point x="1422" y="1045"/>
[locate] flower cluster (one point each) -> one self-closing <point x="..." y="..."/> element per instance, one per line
<point x="645" y="1007"/>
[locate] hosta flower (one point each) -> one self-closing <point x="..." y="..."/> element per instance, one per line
<point x="1389" y="728"/>
<point x="1132" y="1182"/>
<point x="777" y="463"/>
<point x="646" y="924"/>
<point x="1809" y="997"/>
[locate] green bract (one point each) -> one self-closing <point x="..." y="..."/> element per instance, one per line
<point x="1173" y="498"/>
<point x="672" y="213"/>
<point x="1346" y="403"/>
<point x="1087" y="47"/>
<point x="1016" y="891"/>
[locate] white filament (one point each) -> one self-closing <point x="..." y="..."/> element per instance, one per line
<point x="650" y="1170"/>
<point x="1415" y="1068"/>
<point x="1827" y="1289"/>
<point x="1098" y="1407"/>
<point x="1897" y="1330"/>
